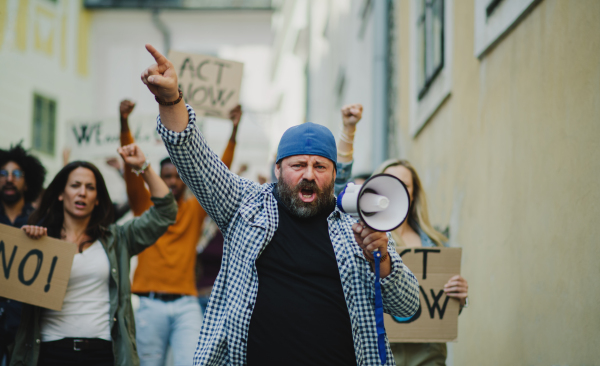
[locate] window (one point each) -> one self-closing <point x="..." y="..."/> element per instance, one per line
<point x="495" y="18"/>
<point x="44" y="123"/>
<point x="431" y="54"/>
<point x="365" y="12"/>
<point x="430" y="43"/>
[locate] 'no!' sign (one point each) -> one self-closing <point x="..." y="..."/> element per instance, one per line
<point x="34" y="271"/>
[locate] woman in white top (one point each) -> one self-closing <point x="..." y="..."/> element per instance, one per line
<point x="417" y="231"/>
<point x="95" y="325"/>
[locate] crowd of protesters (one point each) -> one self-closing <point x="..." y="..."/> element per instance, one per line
<point x="205" y="239"/>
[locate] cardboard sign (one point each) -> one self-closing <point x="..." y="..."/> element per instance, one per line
<point x="34" y="271"/>
<point x="100" y="138"/>
<point x="209" y="84"/>
<point x="437" y="318"/>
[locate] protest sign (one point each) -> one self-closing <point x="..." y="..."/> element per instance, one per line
<point x="34" y="271"/>
<point x="100" y="138"/>
<point x="437" y="317"/>
<point x="209" y="84"/>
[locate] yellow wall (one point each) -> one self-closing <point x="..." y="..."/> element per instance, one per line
<point x="512" y="162"/>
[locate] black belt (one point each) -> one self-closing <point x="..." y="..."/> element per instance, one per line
<point x="81" y="344"/>
<point x="160" y="296"/>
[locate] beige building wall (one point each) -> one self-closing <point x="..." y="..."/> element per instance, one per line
<point x="511" y="162"/>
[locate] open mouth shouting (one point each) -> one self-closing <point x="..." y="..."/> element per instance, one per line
<point x="80" y="205"/>
<point x="307" y="194"/>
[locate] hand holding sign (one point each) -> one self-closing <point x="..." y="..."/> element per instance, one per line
<point x="458" y="288"/>
<point x="34" y="232"/>
<point x="161" y="78"/>
<point x="34" y="271"/>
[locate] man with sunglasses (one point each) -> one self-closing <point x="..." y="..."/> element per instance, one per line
<point x="21" y="181"/>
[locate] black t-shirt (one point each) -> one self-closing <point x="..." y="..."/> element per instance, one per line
<point x="300" y="316"/>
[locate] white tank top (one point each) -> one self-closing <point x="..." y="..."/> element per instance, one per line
<point x="85" y="309"/>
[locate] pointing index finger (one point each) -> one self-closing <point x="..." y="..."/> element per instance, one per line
<point x="158" y="57"/>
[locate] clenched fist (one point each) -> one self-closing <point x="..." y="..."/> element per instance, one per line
<point x="351" y="114"/>
<point x="126" y="108"/>
<point x="132" y="155"/>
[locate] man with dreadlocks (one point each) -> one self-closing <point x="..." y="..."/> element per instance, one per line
<point x="21" y="181"/>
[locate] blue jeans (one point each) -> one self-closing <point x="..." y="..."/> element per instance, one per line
<point x="203" y="301"/>
<point x="163" y="323"/>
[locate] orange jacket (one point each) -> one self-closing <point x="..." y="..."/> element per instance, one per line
<point x="169" y="265"/>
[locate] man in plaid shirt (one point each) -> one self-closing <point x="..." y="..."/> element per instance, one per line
<point x="315" y="303"/>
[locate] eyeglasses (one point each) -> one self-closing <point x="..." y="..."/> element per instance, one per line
<point x="17" y="174"/>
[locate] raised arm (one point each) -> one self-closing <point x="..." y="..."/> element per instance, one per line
<point x="135" y="158"/>
<point x="351" y="115"/>
<point x="137" y="193"/>
<point x="161" y="79"/>
<point x="217" y="189"/>
<point x="235" y="115"/>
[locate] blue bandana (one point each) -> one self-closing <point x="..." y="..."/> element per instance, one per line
<point x="308" y="139"/>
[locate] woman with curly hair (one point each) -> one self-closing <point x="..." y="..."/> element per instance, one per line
<point x="95" y="325"/>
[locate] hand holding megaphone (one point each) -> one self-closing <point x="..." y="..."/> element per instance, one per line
<point x="370" y="240"/>
<point x="381" y="204"/>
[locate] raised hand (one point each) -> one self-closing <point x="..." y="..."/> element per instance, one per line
<point x="351" y="114"/>
<point x="132" y="155"/>
<point x="161" y="78"/>
<point x="126" y="108"/>
<point x="35" y="232"/>
<point x="235" y="115"/>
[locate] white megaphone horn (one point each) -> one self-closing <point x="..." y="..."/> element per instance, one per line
<point x="381" y="203"/>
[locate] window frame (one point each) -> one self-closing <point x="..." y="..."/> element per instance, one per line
<point x="430" y="36"/>
<point x="49" y="112"/>
<point x="423" y="105"/>
<point x="494" y="19"/>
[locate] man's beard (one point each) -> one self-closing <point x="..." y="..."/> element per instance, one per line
<point x="290" y="196"/>
<point x="10" y="199"/>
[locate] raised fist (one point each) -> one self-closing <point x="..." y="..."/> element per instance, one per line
<point x="126" y="108"/>
<point x="132" y="155"/>
<point x="235" y="115"/>
<point x="351" y="114"/>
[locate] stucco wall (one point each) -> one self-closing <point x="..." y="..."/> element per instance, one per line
<point x="511" y="162"/>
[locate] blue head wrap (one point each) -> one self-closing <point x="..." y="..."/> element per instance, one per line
<point x="308" y="139"/>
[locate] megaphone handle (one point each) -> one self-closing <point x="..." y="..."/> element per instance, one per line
<point x="379" y="310"/>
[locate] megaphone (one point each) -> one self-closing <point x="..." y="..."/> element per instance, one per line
<point x="381" y="203"/>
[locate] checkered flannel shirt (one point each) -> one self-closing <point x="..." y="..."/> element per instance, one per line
<point x="246" y="213"/>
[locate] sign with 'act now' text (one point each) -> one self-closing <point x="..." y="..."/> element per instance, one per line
<point x="209" y="84"/>
<point x="437" y="317"/>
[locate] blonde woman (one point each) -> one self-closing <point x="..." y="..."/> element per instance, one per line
<point x="417" y="231"/>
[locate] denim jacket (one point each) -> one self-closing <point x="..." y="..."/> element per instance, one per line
<point x="121" y="243"/>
